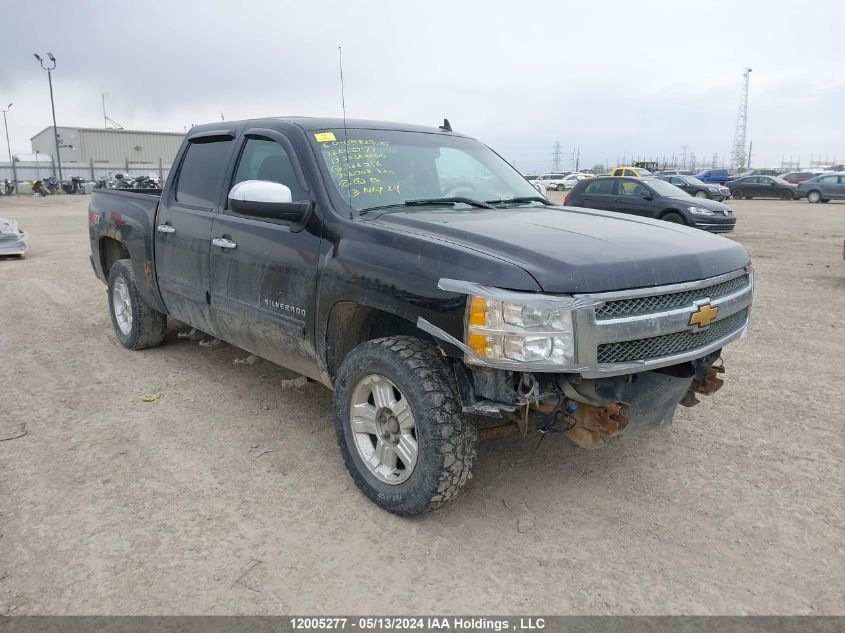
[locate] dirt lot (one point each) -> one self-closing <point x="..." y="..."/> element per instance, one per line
<point x="113" y="505"/>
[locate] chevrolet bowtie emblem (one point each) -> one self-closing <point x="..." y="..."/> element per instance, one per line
<point x="703" y="316"/>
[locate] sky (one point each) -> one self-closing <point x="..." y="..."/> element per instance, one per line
<point x="614" y="79"/>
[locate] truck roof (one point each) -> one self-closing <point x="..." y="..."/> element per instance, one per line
<point x="322" y="123"/>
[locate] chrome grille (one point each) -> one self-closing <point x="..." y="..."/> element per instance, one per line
<point x="660" y="303"/>
<point x="669" y="344"/>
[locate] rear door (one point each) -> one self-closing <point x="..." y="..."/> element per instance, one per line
<point x="183" y="227"/>
<point x="598" y="194"/>
<point x="264" y="276"/>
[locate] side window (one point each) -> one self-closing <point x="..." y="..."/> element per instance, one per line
<point x="630" y="188"/>
<point x="677" y="181"/>
<point x="594" y="187"/>
<point x="264" y="159"/>
<point x="828" y="180"/>
<point x="201" y="171"/>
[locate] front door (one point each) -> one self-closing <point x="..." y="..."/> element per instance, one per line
<point x="264" y="272"/>
<point x="183" y="229"/>
<point x="629" y="198"/>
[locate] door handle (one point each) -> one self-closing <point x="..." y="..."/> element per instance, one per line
<point x="165" y="228"/>
<point x="222" y="242"/>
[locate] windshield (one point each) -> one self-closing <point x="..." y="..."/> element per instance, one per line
<point x="667" y="189"/>
<point x="376" y="168"/>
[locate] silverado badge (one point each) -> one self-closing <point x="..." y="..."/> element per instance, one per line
<point x="703" y="316"/>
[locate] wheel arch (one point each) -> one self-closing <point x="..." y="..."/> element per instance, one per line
<point x="351" y="323"/>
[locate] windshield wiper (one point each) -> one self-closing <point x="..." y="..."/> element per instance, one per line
<point x="429" y="201"/>
<point x="520" y="199"/>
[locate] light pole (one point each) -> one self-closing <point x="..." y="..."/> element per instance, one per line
<point x="46" y="66"/>
<point x="11" y="162"/>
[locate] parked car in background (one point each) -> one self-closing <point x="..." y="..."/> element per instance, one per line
<point x="551" y="181"/>
<point x="636" y="172"/>
<point x="572" y="179"/>
<point x="836" y="168"/>
<point x="719" y="176"/>
<point x="674" y="172"/>
<point x="823" y="188"/>
<point x="754" y="172"/>
<point x="799" y="176"/>
<point x="762" y="187"/>
<point x="694" y="187"/>
<point x="651" y="198"/>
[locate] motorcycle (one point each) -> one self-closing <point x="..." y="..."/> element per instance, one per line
<point x="8" y="187"/>
<point x="124" y="181"/>
<point x="74" y="186"/>
<point x="52" y="185"/>
<point x="38" y="188"/>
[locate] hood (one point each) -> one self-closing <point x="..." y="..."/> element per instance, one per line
<point x="704" y="203"/>
<point x="574" y="250"/>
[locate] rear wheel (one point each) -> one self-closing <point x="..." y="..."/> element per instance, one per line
<point x="674" y="218"/>
<point x="136" y="324"/>
<point x="814" y="196"/>
<point x="399" y="425"/>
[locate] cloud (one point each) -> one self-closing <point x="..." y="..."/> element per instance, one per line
<point x="618" y="78"/>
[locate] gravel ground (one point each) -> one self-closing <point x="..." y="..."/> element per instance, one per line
<point x="227" y="494"/>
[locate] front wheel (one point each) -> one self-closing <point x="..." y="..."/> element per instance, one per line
<point x="136" y="324"/>
<point x="736" y="194"/>
<point x="701" y="194"/>
<point x="399" y="425"/>
<point x="786" y="195"/>
<point x="814" y="196"/>
<point x="674" y="218"/>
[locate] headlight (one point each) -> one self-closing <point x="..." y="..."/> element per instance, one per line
<point x="522" y="332"/>
<point x="713" y="189"/>
<point x="700" y="211"/>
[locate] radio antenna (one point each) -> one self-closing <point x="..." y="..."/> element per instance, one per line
<point x="345" y="133"/>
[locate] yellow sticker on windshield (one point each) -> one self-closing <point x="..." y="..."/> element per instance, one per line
<point x="324" y="137"/>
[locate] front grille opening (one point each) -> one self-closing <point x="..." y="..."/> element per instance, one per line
<point x="660" y="303"/>
<point x="670" y="344"/>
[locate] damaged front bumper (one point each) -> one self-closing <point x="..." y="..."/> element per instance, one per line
<point x="588" y="411"/>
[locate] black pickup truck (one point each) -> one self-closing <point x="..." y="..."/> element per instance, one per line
<point x="417" y="274"/>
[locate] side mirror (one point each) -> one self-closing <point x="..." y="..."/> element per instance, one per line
<point x="645" y="195"/>
<point x="268" y="200"/>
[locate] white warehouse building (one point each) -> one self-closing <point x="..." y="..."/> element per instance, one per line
<point x="95" y="147"/>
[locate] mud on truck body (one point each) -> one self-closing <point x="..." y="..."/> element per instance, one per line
<point x="417" y="274"/>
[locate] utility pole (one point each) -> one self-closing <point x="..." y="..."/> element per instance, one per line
<point x="684" y="149"/>
<point x="738" y="157"/>
<point x="49" y="70"/>
<point x="9" y="145"/>
<point x="556" y="158"/>
<point x="576" y="158"/>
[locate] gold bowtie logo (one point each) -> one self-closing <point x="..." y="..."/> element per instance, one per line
<point x="703" y="316"/>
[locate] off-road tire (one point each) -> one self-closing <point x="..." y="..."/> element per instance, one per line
<point x="447" y="439"/>
<point x="674" y="218"/>
<point x="148" y="326"/>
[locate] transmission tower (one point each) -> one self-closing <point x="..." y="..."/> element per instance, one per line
<point x="738" y="151"/>
<point x="556" y="158"/>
